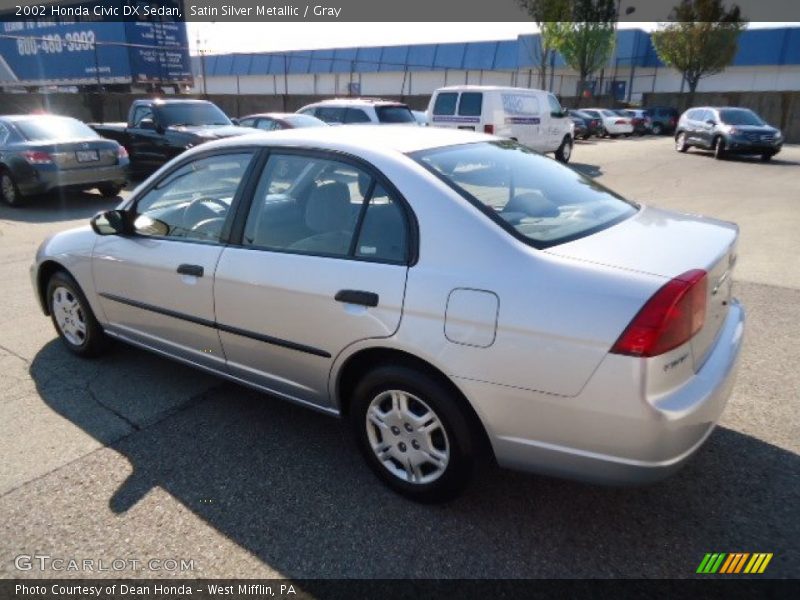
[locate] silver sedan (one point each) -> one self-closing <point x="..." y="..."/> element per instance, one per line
<point x="453" y="295"/>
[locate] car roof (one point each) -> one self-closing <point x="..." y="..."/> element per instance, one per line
<point x="356" y="102"/>
<point x="360" y="139"/>
<point x="271" y="115"/>
<point x="13" y="118"/>
<point x="488" y="88"/>
<point x="171" y="101"/>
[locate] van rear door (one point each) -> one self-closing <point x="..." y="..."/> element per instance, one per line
<point x="447" y="111"/>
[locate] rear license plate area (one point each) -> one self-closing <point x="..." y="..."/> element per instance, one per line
<point x="84" y="156"/>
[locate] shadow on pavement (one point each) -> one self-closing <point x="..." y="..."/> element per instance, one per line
<point x="288" y="485"/>
<point x="61" y="205"/>
<point x="586" y="169"/>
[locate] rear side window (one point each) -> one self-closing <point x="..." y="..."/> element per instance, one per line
<point x="356" y="115"/>
<point x="445" y="104"/>
<point x="395" y="114"/>
<point x="44" y="127"/>
<point x="470" y="104"/>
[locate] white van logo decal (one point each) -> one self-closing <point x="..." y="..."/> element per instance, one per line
<point x="522" y="120"/>
<point x="520" y="104"/>
<point x="457" y="119"/>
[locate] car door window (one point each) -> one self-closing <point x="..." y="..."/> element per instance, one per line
<point x="356" y="115"/>
<point x="4" y="134"/>
<point x="247" y="122"/>
<point x="331" y="114"/>
<point x="267" y="124"/>
<point x="312" y="205"/>
<point x="192" y="202"/>
<point x="555" y="105"/>
<point x="141" y="112"/>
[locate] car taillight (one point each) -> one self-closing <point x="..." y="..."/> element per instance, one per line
<point x="37" y="157"/>
<point x="674" y="314"/>
<point x="488" y="129"/>
<point x="122" y="152"/>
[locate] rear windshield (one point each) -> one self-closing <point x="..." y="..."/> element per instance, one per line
<point x="395" y="114"/>
<point x="43" y="128"/>
<point x="739" y="116"/>
<point x="531" y="196"/>
<point x="470" y="104"/>
<point x="445" y="104"/>
<point x="191" y="114"/>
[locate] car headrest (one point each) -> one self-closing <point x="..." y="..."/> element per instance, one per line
<point x="328" y="207"/>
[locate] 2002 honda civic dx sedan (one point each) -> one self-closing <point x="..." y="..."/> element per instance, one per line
<point x="451" y="293"/>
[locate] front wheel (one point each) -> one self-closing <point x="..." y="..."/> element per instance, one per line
<point x="9" y="190"/>
<point x="564" y="152"/>
<point x="73" y="317"/>
<point x="413" y="433"/>
<point x="767" y="156"/>
<point x="719" y="148"/>
<point x="680" y="142"/>
<point x="658" y="129"/>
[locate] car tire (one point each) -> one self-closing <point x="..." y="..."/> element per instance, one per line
<point x="658" y="129"/>
<point x="680" y="142"/>
<point x="390" y="407"/>
<point x="613" y="136"/>
<point x="719" y="148"/>
<point x="766" y="157"/>
<point x="9" y="191"/>
<point x="564" y="152"/>
<point x="73" y="318"/>
<point x="110" y="190"/>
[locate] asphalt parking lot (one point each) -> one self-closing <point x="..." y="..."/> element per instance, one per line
<point x="135" y="457"/>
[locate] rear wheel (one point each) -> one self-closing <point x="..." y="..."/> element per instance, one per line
<point x="658" y="129"/>
<point x="719" y="148"/>
<point x="413" y="433"/>
<point x="73" y="317"/>
<point x="680" y="142"/>
<point x="767" y="156"/>
<point x="564" y="152"/>
<point x="110" y="190"/>
<point x="9" y="190"/>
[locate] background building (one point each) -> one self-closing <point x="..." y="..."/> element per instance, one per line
<point x="767" y="60"/>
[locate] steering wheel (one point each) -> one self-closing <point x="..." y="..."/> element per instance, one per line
<point x="198" y="212"/>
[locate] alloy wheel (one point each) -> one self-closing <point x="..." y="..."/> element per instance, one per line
<point x="8" y="189"/>
<point x="407" y="437"/>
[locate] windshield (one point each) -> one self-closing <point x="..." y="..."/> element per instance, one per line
<point x="740" y="116"/>
<point x="529" y="195"/>
<point x="191" y="114"/>
<point x="395" y="114"/>
<point x="43" y="128"/>
<point x="303" y="121"/>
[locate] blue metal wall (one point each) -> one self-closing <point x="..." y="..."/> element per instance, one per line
<point x="780" y="46"/>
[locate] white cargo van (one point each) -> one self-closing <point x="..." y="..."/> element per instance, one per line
<point x="534" y="118"/>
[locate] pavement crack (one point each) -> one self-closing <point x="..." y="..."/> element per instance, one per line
<point x="13" y="353"/>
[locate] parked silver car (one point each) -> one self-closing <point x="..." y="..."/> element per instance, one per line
<point x="452" y="294"/>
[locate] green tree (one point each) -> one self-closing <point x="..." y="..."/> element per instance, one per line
<point x="587" y="41"/>
<point x="701" y="39"/>
<point x="545" y="13"/>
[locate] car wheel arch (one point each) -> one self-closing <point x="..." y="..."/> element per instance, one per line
<point x="366" y="359"/>
<point x="45" y="271"/>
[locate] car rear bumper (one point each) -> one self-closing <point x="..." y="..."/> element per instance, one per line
<point x="611" y="433"/>
<point x="41" y="180"/>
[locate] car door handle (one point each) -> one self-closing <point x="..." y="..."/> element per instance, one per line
<point x="357" y="297"/>
<point x="195" y="270"/>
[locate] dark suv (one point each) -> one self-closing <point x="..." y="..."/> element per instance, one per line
<point x="664" y="119"/>
<point x="727" y="130"/>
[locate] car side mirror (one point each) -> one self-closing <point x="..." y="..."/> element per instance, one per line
<point x="147" y="124"/>
<point x="111" y="222"/>
<point x="235" y="122"/>
<point x="145" y="225"/>
<point x="558" y="114"/>
<point x="711" y="122"/>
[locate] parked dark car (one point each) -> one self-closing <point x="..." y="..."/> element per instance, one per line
<point x="594" y="125"/>
<point x="581" y="130"/>
<point x="727" y="130"/>
<point x="664" y="119"/>
<point x="159" y="130"/>
<point x="642" y="123"/>
<point x="42" y="153"/>
<point x="276" y="120"/>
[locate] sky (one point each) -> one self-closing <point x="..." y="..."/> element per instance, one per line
<point x="219" y="38"/>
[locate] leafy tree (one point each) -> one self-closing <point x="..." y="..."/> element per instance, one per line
<point x="587" y="41"/>
<point x="545" y="13"/>
<point x="701" y="40"/>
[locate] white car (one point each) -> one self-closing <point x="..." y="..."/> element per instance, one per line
<point x="353" y="111"/>
<point x="534" y="118"/>
<point x="614" y="125"/>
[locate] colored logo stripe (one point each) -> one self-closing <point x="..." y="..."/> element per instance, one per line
<point x="732" y="563"/>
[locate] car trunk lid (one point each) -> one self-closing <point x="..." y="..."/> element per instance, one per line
<point x="81" y="154"/>
<point x="667" y="245"/>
